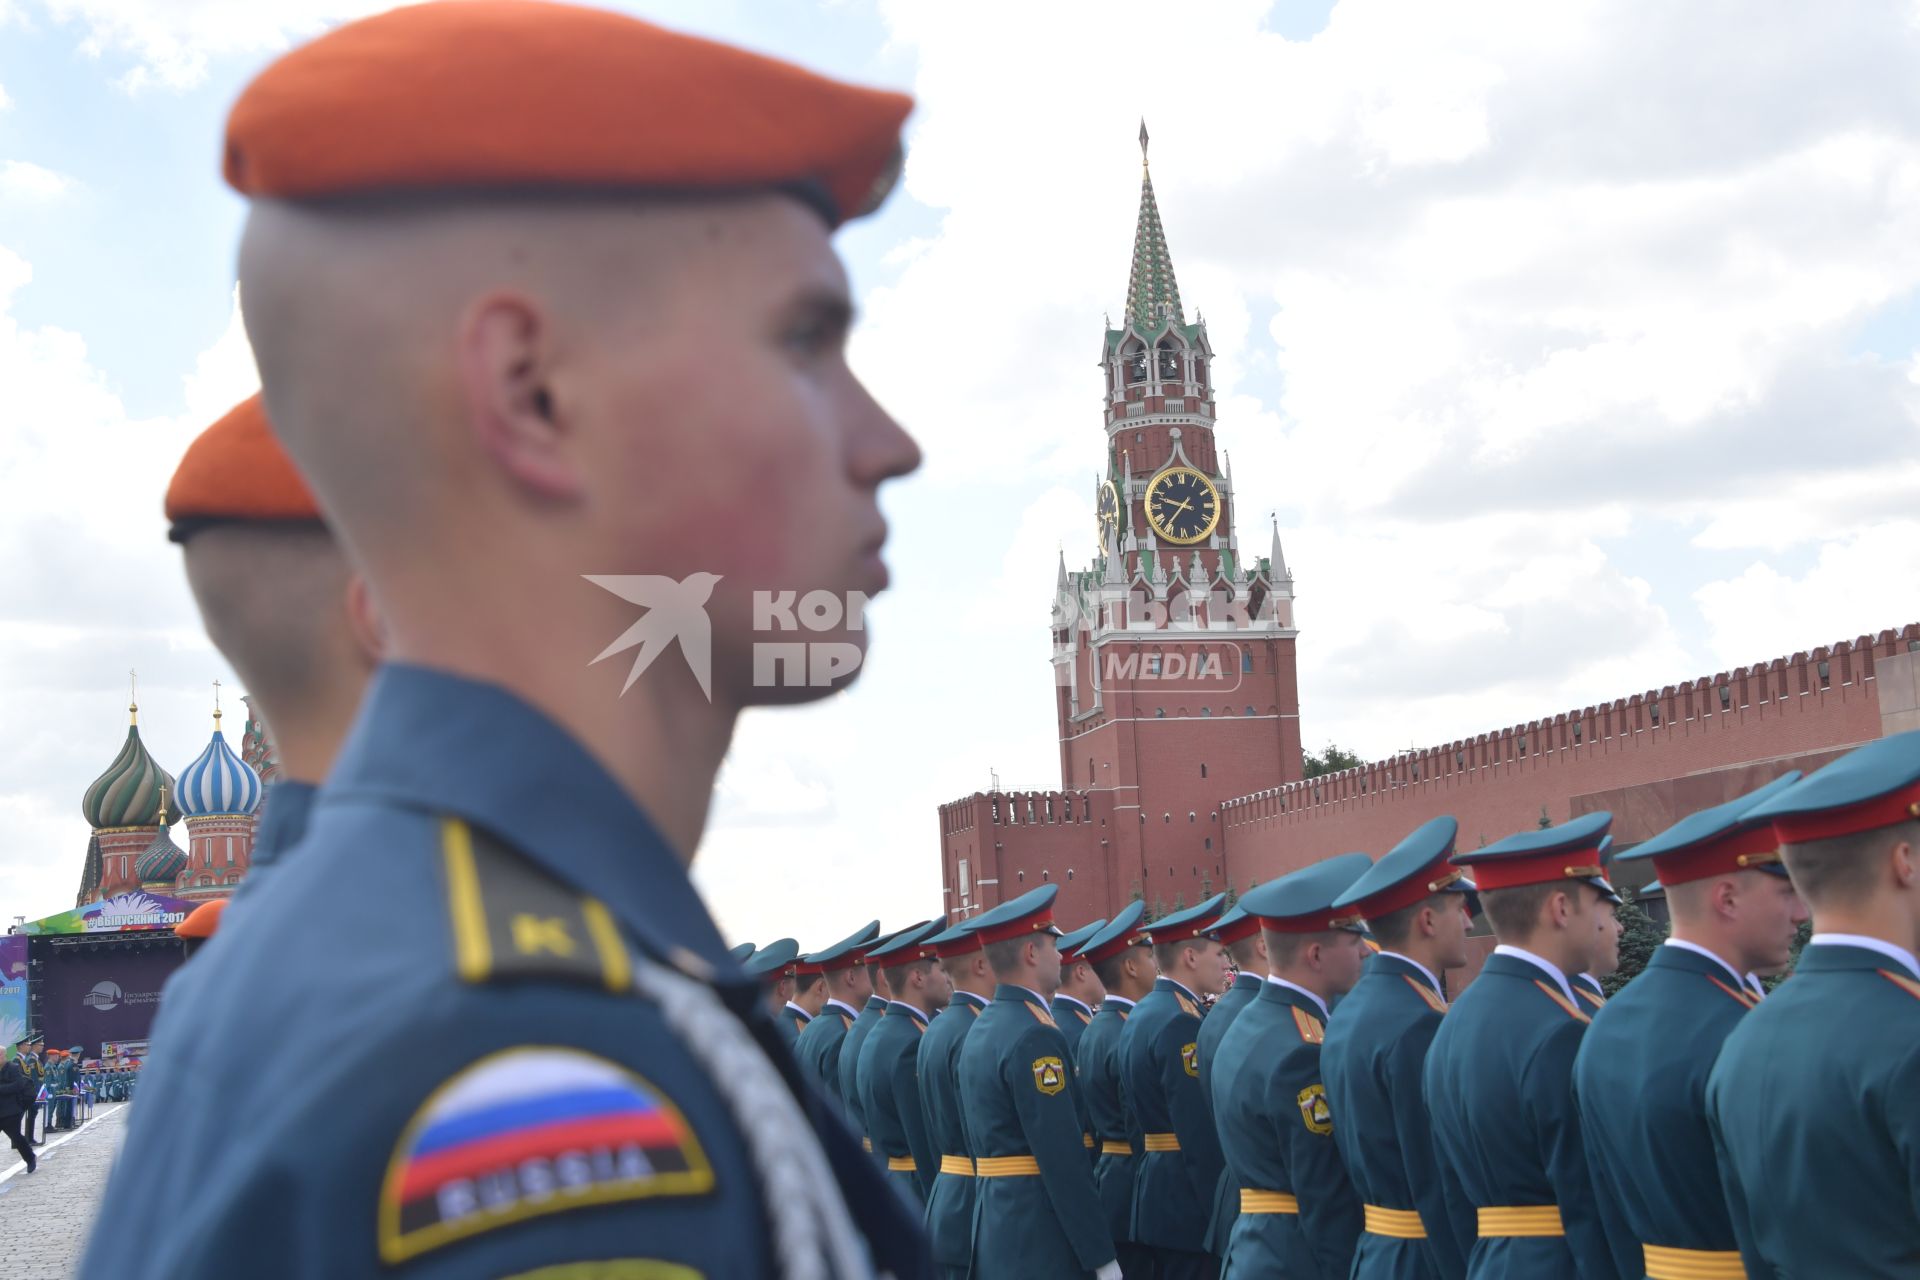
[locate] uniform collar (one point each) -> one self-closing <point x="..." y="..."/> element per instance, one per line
<point x="287" y="804"/>
<point x="1892" y="951"/>
<point x="1246" y="982"/>
<point x="525" y="779"/>
<point x="1083" y="1007"/>
<point x="1297" y="989"/>
<point x="1176" y="985"/>
<point x="1118" y="1002"/>
<point x="967" y="997"/>
<point x="804" y="1015"/>
<point x="1014" y="991"/>
<point x="874" y="1005"/>
<point x="1684" y="945"/>
<point x="842" y="1005"/>
<point x="1539" y="962"/>
<point x="1419" y="968"/>
<point x="901" y="1006"/>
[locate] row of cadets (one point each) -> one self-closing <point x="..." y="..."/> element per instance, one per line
<point x="1641" y="1074"/>
<point x="1160" y="1072"/>
<point x="1246" y="946"/>
<point x="878" y="995"/>
<point x="1299" y="1216"/>
<point x="1814" y="1104"/>
<point x="886" y="1075"/>
<point x="950" y="1202"/>
<point x="1122" y="958"/>
<point x="1419" y="908"/>
<point x="843" y="972"/>
<point x="1036" y="1211"/>
<point x="1499" y="1075"/>
<point x="1079" y="995"/>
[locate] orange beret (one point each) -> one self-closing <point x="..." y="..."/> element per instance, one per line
<point x="516" y="93"/>
<point x="203" y="921"/>
<point x="236" y="470"/>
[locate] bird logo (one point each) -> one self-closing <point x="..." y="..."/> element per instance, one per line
<point x="675" y="611"/>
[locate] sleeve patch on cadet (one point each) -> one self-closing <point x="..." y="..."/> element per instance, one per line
<point x="1190" y="1058"/>
<point x="612" y="1269"/>
<point x="527" y="1132"/>
<point x="1314" y="1109"/>
<point x="1309" y="1027"/>
<point x="1049" y="1075"/>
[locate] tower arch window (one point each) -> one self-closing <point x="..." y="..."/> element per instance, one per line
<point x="1250" y="710"/>
<point x="1159" y="713"/>
<point x="1169" y="360"/>
<point x="1246" y="660"/>
<point x="1203" y="770"/>
<point x="1133" y="358"/>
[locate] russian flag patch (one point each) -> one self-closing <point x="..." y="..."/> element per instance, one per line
<point x="530" y="1131"/>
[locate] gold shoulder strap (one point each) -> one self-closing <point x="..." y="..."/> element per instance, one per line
<point x="513" y="923"/>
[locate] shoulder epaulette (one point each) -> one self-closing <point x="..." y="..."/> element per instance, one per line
<point x="1569" y="1006"/>
<point x="846" y="1023"/>
<point x="1309" y="1026"/>
<point x="1744" y="997"/>
<point x="1039" y="1014"/>
<point x="1187" y="1006"/>
<point x="1426" y="993"/>
<point x="1086" y="1019"/>
<point x="512" y="922"/>
<point x="1595" y="999"/>
<point x="1903" y="982"/>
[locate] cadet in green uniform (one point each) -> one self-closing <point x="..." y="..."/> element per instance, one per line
<point x="1299" y="1215"/>
<point x="1123" y="960"/>
<point x="950" y="1203"/>
<point x="1160" y="1072"/>
<point x="1815" y="1102"/>
<point x="1073" y="1005"/>
<point x="771" y="964"/>
<point x="1419" y="907"/>
<point x="870" y="1014"/>
<point x="1036" y="1215"/>
<point x="804" y="1002"/>
<point x="1499" y="1077"/>
<point x="1586" y="984"/>
<point x="1246" y="946"/>
<point x="888" y="1076"/>
<point x="843" y="970"/>
<point x="1641" y="1075"/>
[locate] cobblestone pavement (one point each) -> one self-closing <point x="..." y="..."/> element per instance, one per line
<point x="44" y="1217"/>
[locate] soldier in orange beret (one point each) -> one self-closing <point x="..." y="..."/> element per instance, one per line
<point x="279" y="601"/>
<point x="548" y="314"/>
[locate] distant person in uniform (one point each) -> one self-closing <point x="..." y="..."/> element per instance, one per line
<point x="1037" y="1212"/>
<point x="1299" y="1215"/>
<point x="773" y="966"/>
<point x="852" y="1092"/>
<point x="33" y="1064"/>
<point x="1079" y="995"/>
<point x="548" y="314"/>
<point x="280" y="603"/>
<point x="1160" y="1072"/>
<point x="808" y="995"/>
<point x="1499" y="1075"/>
<point x="1606" y="960"/>
<point x="889" y="1071"/>
<point x="1246" y="946"/>
<point x="1814" y="1103"/>
<point x="1419" y="908"/>
<point x="1641" y="1075"/>
<point x="16" y="1095"/>
<point x="1122" y="955"/>
<point x="844" y="976"/>
<point x="950" y="1200"/>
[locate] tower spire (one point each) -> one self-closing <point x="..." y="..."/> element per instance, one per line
<point x="1153" y="296"/>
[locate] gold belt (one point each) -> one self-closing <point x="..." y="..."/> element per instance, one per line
<point x="1401" y="1224"/>
<point x="866" y="1145"/>
<point x="900" y="1164"/>
<point x="958" y="1166"/>
<point x="1521" y="1220"/>
<point x="1693" y="1264"/>
<point x="1007" y="1166"/>
<point x="1088" y="1139"/>
<point x="1111" y="1148"/>
<point x="1163" y="1142"/>
<point x="1252" y="1201"/>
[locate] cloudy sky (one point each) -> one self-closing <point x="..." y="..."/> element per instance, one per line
<point x="1575" y="347"/>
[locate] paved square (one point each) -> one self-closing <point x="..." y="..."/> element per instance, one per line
<point x="45" y="1216"/>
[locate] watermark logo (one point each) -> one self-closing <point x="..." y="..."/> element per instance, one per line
<point x="676" y="613"/>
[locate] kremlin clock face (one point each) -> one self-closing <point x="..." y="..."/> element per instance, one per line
<point x="1182" y="505"/>
<point x="1108" y="512"/>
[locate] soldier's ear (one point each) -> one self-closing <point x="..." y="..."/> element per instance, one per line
<point x="506" y="353"/>
<point x="1903" y="864"/>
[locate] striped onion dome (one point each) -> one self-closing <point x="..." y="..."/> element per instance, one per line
<point x="162" y="862"/>
<point x="218" y="781"/>
<point x="132" y="790"/>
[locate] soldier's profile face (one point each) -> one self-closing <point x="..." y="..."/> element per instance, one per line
<point x="750" y="450"/>
<point x="1771" y="913"/>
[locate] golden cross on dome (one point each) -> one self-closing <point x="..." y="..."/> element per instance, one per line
<point x="133" y="696"/>
<point x="216" y="705"/>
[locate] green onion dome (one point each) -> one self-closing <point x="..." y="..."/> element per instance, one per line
<point x="133" y="789"/>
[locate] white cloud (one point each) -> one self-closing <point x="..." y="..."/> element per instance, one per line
<point x="1857" y="585"/>
<point x="25" y="181"/>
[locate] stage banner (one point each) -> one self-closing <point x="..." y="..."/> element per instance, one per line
<point x="137" y="910"/>
<point x="13" y="987"/>
<point x="90" y="995"/>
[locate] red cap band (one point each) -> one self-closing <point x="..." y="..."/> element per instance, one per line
<point x="1539" y="868"/>
<point x="1740" y="851"/>
<point x="1318" y="922"/>
<point x="1039" y="922"/>
<point x="1239" y="931"/>
<point x="1178" y="933"/>
<point x="964" y="945"/>
<point x="1869" y="815"/>
<point x="1431" y="880"/>
<point x="1113" y="947"/>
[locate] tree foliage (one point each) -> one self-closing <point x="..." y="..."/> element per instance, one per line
<point x="1639" y="935"/>
<point x="1331" y="760"/>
